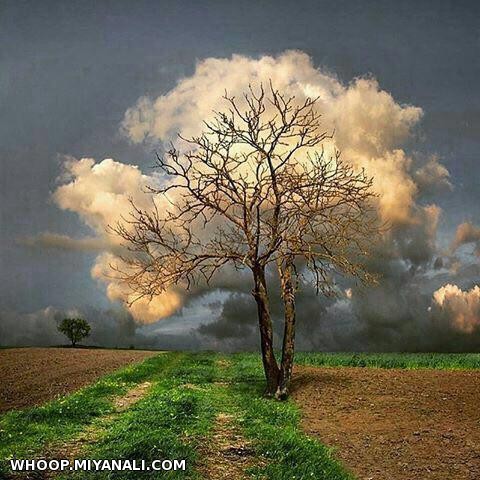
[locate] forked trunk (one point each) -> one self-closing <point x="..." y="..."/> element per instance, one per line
<point x="288" y="347"/>
<point x="270" y="365"/>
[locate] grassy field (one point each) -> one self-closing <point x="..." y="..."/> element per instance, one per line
<point x="443" y="361"/>
<point x="179" y="413"/>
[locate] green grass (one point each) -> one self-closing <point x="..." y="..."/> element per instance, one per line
<point x="274" y="429"/>
<point x="169" y="423"/>
<point x="178" y="414"/>
<point x="443" y="361"/>
<point x="24" y="433"/>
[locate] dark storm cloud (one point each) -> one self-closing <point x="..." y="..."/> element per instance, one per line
<point x="237" y="319"/>
<point x="395" y="315"/>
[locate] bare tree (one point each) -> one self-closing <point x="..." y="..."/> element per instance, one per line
<point x="255" y="189"/>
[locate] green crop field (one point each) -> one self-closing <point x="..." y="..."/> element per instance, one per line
<point x="443" y="361"/>
<point x="176" y="417"/>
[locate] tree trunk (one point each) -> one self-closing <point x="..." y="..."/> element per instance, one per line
<point x="270" y="365"/>
<point x="288" y="347"/>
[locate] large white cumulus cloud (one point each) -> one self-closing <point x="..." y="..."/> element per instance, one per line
<point x="100" y="193"/>
<point x="371" y="129"/>
<point x="460" y="308"/>
<point x="370" y="126"/>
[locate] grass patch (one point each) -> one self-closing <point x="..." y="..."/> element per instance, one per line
<point x="441" y="361"/>
<point x="169" y="423"/>
<point x="274" y="429"/>
<point x="289" y="453"/>
<point x="25" y="433"/>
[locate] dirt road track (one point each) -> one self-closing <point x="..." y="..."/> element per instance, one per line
<point x="395" y="424"/>
<point x="31" y="376"/>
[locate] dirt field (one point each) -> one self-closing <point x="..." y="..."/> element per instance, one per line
<point x="395" y="424"/>
<point x="31" y="376"/>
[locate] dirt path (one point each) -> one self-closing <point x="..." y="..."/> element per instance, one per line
<point x="227" y="454"/>
<point x="131" y="397"/>
<point x="93" y="432"/>
<point x="395" y="424"/>
<point x="32" y="376"/>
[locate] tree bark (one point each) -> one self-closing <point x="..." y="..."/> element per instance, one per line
<point x="270" y="365"/>
<point x="288" y="347"/>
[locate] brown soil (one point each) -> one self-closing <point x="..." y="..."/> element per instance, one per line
<point x="32" y="376"/>
<point x="395" y="424"/>
<point x="227" y="454"/>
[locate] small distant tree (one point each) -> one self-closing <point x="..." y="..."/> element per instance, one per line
<point x="258" y="191"/>
<point x="74" y="329"/>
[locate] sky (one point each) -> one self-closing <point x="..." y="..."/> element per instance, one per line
<point x="71" y="77"/>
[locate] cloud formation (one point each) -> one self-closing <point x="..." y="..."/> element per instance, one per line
<point x="432" y="177"/>
<point x="466" y="234"/>
<point x="370" y="126"/>
<point x="460" y="308"/>
<point x="64" y="242"/>
<point x="371" y="129"/>
<point x="143" y="310"/>
<point x="100" y="194"/>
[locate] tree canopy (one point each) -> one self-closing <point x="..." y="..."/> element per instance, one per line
<point x="75" y="329"/>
